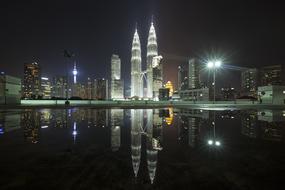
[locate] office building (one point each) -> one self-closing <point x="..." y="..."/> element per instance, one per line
<point x="59" y="84"/>
<point x="249" y="82"/>
<point x="32" y="81"/>
<point x="272" y="94"/>
<point x="271" y="75"/>
<point x="101" y="89"/>
<point x="157" y="76"/>
<point x="45" y="88"/>
<point x="117" y="84"/>
<point x="10" y="89"/>
<point x="164" y="94"/>
<point x="182" y="79"/>
<point x="193" y="74"/>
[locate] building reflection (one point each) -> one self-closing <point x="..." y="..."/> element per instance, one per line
<point x="116" y="122"/>
<point x="190" y="122"/>
<point x="136" y="132"/>
<point x="263" y="124"/>
<point x="9" y="121"/>
<point x="149" y="127"/>
<point x="249" y="124"/>
<point x="30" y="121"/>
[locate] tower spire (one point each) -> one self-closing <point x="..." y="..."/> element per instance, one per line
<point x="74" y="72"/>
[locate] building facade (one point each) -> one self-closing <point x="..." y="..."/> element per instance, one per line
<point x="32" y="81"/>
<point x="101" y="89"/>
<point x="271" y="75"/>
<point x="273" y="94"/>
<point x="59" y="85"/>
<point x="202" y="94"/>
<point x="10" y="89"/>
<point x="46" y="88"/>
<point x="157" y="76"/>
<point x="117" y="84"/>
<point x="182" y="79"/>
<point x="193" y="74"/>
<point x="249" y="82"/>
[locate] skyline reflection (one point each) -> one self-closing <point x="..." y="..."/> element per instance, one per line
<point x="145" y="133"/>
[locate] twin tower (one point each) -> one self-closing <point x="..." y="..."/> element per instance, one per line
<point x="153" y="75"/>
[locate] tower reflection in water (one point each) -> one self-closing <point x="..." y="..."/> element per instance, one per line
<point x="149" y="127"/>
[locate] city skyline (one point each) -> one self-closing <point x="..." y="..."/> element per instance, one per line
<point x="184" y="29"/>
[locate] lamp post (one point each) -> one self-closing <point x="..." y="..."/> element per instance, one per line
<point x="214" y="65"/>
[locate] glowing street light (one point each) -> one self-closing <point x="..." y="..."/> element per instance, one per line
<point x="214" y="65"/>
<point x="212" y="142"/>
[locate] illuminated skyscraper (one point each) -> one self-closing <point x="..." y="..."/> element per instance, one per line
<point x="193" y="74"/>
<point x="117" y="84"/>
<point x="46" y="87"/>
<point x="151" y="53"/>
<point x="59" y="84"/>
<point x="249" y="82"/>
<point x="157" y="76"/>
<point x="101" y="89"/>
<point x="182" y="79"/>
<point x="32" y="81"/>
<point x="136" y="69"/>
<point x="115" y="67"/>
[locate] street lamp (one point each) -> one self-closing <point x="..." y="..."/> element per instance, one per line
<point x="214" y="65"/>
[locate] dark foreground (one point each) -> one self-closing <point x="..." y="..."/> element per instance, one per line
<point x="46" y="153"/>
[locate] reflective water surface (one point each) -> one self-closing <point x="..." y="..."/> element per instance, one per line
<point x="141" y="149"/>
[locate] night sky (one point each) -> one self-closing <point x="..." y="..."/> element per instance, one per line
<point x="249" y="33"/>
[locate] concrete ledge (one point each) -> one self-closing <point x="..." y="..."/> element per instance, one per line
<point x="147" y="104"/>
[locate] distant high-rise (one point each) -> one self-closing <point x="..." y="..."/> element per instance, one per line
<point x="249" y="82"/>
<point x="117" y="84"/>
<point x="32" y="81"/>
<point x="182" y="79"/>
<point x="89" y="89"/>
<point x="46" y="87"/>
<point x="151" y="53"/>
<point x="136" y="69"/>
<point x="193" y="74"/>
<point x="157" y="76"/>
<point x="101" y="89"/>
<point x="271" y="75"/>
<point x="59" y="84"/>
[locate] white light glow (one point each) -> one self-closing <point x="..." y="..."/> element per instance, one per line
<point x="217" y="143"/>
<point x="210" y="64"/>
<point x="210" y="142"/>
<point x="44" y="127"/>
<point x="218" y="64"/>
